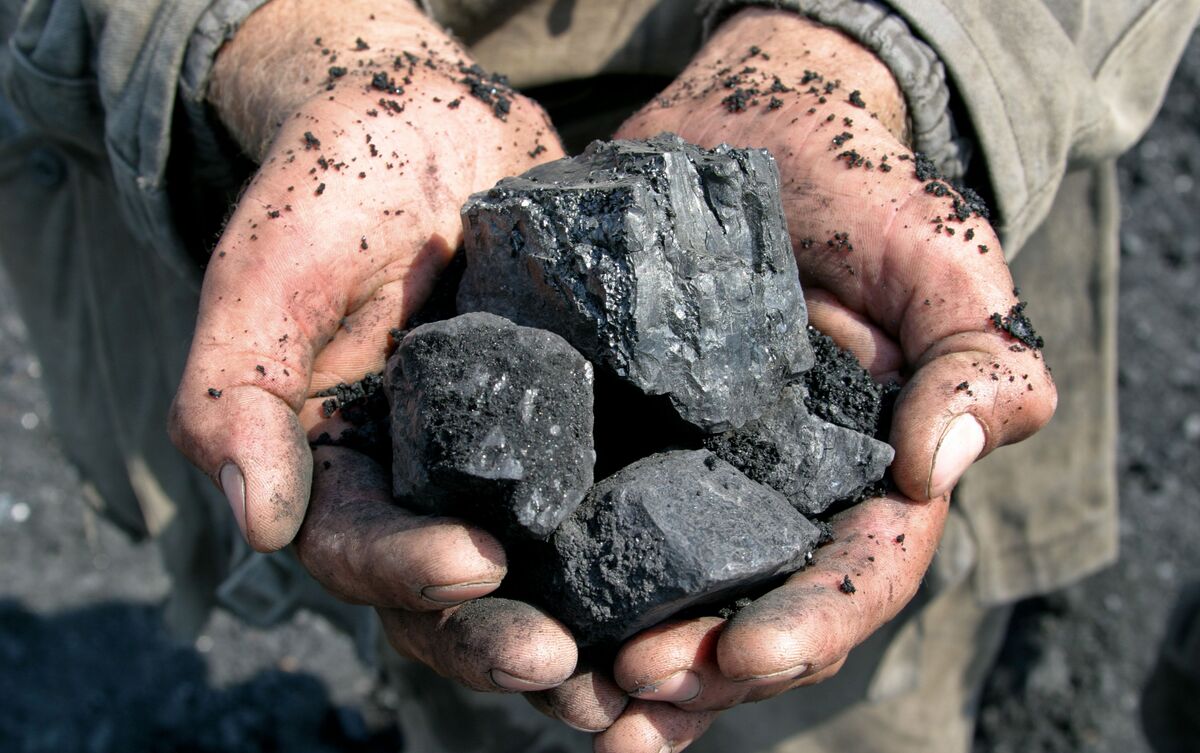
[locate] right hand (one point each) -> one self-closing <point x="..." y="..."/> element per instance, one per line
<point x="337" y="240"/>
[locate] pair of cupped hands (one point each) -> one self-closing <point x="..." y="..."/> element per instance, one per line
<point x="355" y="211"/>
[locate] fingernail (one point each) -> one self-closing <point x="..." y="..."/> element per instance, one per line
<point x="502" y="679"/>
<point x="961" y="443"/>
<point x="234" y="487"/>
<point x="577" y="728"/>
<point x="790" y="673"/>
<point x="668" y="748"/>
<point x="459" y="592"/>
<point x="682" y="686"/>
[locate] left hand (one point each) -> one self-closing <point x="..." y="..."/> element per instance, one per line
<point x="895" y="278"/>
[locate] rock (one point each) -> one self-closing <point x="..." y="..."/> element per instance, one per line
<point x="491" y="421"/>
<point x="668" y="532"/>
<point x="810" y="461"/>
<point x="665" y="264"/>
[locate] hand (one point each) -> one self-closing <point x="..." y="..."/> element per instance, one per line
<point x="367" y="155"/>
<point x="892" y="274"/>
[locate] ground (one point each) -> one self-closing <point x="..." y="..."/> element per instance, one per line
<point x="83" y="651"/>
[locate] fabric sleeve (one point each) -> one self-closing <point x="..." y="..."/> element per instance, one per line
<point x="1046" y="84"/>
<point x="104" y="77"/>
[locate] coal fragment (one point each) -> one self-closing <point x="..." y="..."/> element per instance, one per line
<point x="925" y="168"/>
<point x="665" y="264"/>
<point x="810" y="461"/>
<point x="1017" y="324"/>
<point x="364" y="408"/>
<point x="491" y="421"/>
<point x="840" y="390"/>
<point x="668" y="532"/>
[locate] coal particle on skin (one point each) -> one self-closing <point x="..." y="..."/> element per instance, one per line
<point x="674" y="530"/>
<point x="492" y="422"/>
<point x="812" y="462"/>
<point x="666" y="265"/>
<point x="740" y="100"/>
<point x="730" y="611"/>
<point x="847" y="586"/>
<point x="924" y="168"/>
<point x="491" y="89"/>
<point x="1017" y="324"/>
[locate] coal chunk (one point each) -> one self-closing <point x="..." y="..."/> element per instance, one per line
<point x="812" y="462"/>
<point x="671" y="531"/>
<point x="491" y="421"/>
<point x="665" y="264"/>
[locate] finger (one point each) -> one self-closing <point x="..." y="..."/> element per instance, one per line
<point x="863" y="578"/>
<point x="488" y="644"/>
<point x="588" y="701"/>
<point x="251" y="444"/>
<point x="653" y="728"/>
<point x="364" y="548"/>
<point x="676" y="662"/>
<point x="964" y="401"/>
<point x="764" y="692"/>
<point x="875" y="350"/>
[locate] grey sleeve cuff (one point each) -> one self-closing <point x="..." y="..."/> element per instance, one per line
<point x="214" y="28"/>
<point x="917" y="68"/>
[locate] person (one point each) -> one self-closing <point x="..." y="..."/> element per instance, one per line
<point x="370" y="126"/>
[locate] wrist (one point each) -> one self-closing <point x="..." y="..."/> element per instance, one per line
<point x="291" y="52"/>
<point x="797" y="45"/>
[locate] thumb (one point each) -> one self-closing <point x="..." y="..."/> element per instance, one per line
<point x="972" y="393"/>
<point x="251" y="444"/>
<point x="236" y="413"/>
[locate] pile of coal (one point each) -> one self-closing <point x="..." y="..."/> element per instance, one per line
<point x="715" y="419"/>
<point x="666" y="265"/>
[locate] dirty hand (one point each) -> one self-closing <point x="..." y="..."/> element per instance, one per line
<point x="369" y="142"/>
<point x="899" y="270"/>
